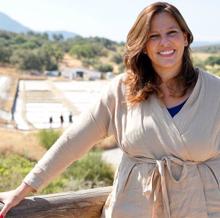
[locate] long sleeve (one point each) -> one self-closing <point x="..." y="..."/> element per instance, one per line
<point x="90" y="127"/>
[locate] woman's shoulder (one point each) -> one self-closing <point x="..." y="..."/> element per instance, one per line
<point x="118" y="79"/>
<point x="115" y="90"/>
<point x="210" y="78"/>
<point x="208" y="75"/>
<point x="117" y="83"/>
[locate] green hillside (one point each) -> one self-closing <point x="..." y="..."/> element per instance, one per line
<point x="34" y="51"/>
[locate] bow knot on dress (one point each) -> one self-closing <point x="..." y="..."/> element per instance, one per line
<point x="156" y="184"/>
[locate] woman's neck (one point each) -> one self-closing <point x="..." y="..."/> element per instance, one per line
<point x="167" y="76"/>
<point x="169" y="100"/>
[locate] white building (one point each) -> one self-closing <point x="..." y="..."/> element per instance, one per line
<point x="81" y="73"/>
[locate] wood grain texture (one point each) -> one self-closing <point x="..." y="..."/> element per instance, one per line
<point x="83" y="204"/>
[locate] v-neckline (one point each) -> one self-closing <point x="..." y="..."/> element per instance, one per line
<point x="175" y="127"/>
<point x="176" y="120"/>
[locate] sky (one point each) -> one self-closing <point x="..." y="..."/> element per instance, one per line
<point x="108" y="18"/>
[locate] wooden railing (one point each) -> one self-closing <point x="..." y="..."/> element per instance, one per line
<point x="80" y="204"/>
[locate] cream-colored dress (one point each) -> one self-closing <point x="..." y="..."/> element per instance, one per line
<point x="170" y="166"/>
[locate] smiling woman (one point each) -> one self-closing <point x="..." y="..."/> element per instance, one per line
<point x="165" y="45"/>
<point x="165" y="117"/>
<point x="158" y="56"/>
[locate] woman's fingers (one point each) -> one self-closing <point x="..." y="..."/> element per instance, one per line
<point x="5" y="210"/>
<point x="8" y="200"/>
<point x="12" y="198"/>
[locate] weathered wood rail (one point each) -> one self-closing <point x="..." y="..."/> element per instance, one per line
<point x="80" y="204"/>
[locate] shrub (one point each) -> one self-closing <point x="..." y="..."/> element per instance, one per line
<point x="13" y="168"/>
<point x="117" y="58"/>
<point x="48" y="137"/>
<point x="89" y="172"/>
<point x="213" y="60"/>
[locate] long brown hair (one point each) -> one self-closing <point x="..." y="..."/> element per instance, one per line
<point x="141" y="80"/>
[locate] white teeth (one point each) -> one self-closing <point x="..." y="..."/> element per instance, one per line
<point x="167" y="52"/>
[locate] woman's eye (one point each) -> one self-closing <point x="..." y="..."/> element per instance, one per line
<point x="172" y="33"/>
<point x="155" y="36"/>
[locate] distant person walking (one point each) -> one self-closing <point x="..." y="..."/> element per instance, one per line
<point x="61" y="120"/>
<point x="51" y="121"/>
<point x="70" y="118"/>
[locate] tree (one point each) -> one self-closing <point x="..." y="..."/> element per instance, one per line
<point x="5" y="54"/>
<point x="57" y="37"/>
<point x="213" y="60"/>
<point x="117" y="58"/>
<point x="51" y="55"/>
<point x="27" y="60"/>
<point x="105" y="68"/>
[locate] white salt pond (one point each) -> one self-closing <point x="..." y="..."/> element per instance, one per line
<point x="39" y="100"/>
<point x="82" y="93"/>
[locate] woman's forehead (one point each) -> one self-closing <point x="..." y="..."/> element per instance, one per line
<point x="162" y="21"/>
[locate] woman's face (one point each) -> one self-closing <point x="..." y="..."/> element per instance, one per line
<point x="165" y="44"/>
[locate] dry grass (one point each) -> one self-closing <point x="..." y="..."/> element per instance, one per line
<point x="8" y="104"/>
<point x="202" y="55"/>
<point x="23" y="143"/>
<point x="9" y="70"/>
<point x="28" y="145"/>
<point x="106" y="60"/>
<point x="13" y="73"/>
<point x="69" y="62"/>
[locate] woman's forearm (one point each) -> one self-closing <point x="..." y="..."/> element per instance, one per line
<point x="23" y="190"/>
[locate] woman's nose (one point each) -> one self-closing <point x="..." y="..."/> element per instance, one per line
<point x="164" y="40"/>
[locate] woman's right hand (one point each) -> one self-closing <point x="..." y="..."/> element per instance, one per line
<point x="12" y="198"/>
<point x="9" y="199"/>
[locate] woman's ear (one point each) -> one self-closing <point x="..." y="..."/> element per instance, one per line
<point x="185" y="39"/>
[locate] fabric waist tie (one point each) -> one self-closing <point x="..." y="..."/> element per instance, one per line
<point x="156" y="179"/>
